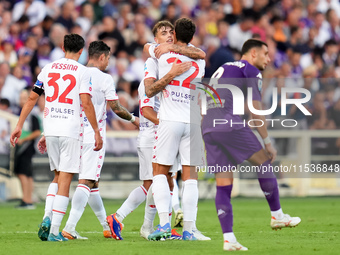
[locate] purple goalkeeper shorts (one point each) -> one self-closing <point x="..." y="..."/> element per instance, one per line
<point x="230" y="148"/>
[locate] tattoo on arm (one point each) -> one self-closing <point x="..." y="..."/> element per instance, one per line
<point x="191" y="52"/>
<point x="153" y="88"/>
<point x="120" y="110"/>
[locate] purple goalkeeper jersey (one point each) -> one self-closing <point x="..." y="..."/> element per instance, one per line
<point x="242" y="75"/>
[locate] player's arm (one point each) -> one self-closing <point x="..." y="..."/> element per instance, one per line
<point x="91" y="116"/>
<point x="122" y="112"/>
<point x="32" y="136"/>
<point x="35" y="131"/>
<point x="42" y="148"/>
<point x="146" y="49"/>
<point x="191" y="52"/>
<point x="262" y="129"/>
<point x="152" y="88"/>
<point x="149" y="113"/>
<point x="28" y="106"/>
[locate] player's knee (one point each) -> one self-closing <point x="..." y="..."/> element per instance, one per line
<point x="258" y="158"/>
<point x="147" y="184"/>
<point x="56" y="176"/>
<point x="95" y="185"/>
<point x="88" y="183"/>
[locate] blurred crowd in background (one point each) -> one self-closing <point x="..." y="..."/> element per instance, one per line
<point x="303" y="37"/>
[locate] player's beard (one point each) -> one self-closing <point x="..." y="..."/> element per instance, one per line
<point x="262" y="67"/>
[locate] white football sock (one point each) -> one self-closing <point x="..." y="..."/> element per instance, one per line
<point x="230" y="237"/>
<point x="170" y="207"/>
<point x="96" y="203"/>
<point x="189" y="203"/>
<point x="194" y="227"/>
<point x="161" y="196"/>
<point x="79" y="201"/>
<point x="136" y="197"/>
<point x="188" y="226"/>
<point x="59" y="209"/>
<point x="175" y="197"/>
<point x="277" y="214"/>
<point x="51" y="192"/>
<point x="150" y="210"/>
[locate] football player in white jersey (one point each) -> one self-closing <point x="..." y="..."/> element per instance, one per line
<point x="67" y="93"/>
<point x="103" y="92"/>
<point x="87" y="191"/>
<point x="145" y="141"/>
<point x="163" y="32"/>
<point x="179" y="131"/>
<point x="155" y="51"/>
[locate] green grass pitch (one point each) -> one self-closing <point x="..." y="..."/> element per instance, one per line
<point x="318" y="233"/>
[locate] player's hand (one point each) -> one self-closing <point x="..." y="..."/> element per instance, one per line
<point x="15" y="136"/>
<point x="179" y="68"/>
<point x="136" y="122"/>
<point x="271" y="151"/>
<point x="98" y="141"/>
<point x="162" y="48"/>
<point x="42" y="145"/>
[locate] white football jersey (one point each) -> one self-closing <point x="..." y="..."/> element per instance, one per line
<point x="147" y="129"/>
<point x="103" y="90"/>
<point x="180" y="99"/>
<point x="63" y="81"/>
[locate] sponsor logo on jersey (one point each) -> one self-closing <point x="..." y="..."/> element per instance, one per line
<point x="46" y="112"/>
<point x="144" y="124"/>
<point x="166" y="93"/>
<point x="182" y="95"/>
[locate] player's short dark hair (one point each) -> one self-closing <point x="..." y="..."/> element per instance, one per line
<point x="252" y="43"/>
<point x="73" y="43"/>
<point x="185" y="29"/>
<point x="97" y="48"/>
<point x="5" y="101"/>
<point x="160" y="24"/>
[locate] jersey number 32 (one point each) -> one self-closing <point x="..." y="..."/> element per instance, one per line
<point x="53" y="82"/>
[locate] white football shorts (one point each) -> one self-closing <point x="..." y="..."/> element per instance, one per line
<point x="176" y="165"/>
<point x="91" y="162"/>
<point x="145" y="163"/>
<point x="178" y="137"/>
<point x="64" y="153"/>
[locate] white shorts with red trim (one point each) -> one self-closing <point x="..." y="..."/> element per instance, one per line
<point x="145" y="163"/>
<point x="64" y="153"/>
<point x="180" y="138"/>
<point x="91" y="162"/>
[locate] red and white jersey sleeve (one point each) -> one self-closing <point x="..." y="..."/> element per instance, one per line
<point x="103" y="90"/>
<point x="63" y="81"/>
<point x="151" y="68"/>
<point x="146" y="127"/>
<point x="180" y="99"/>
<point x="152" y="49"/>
